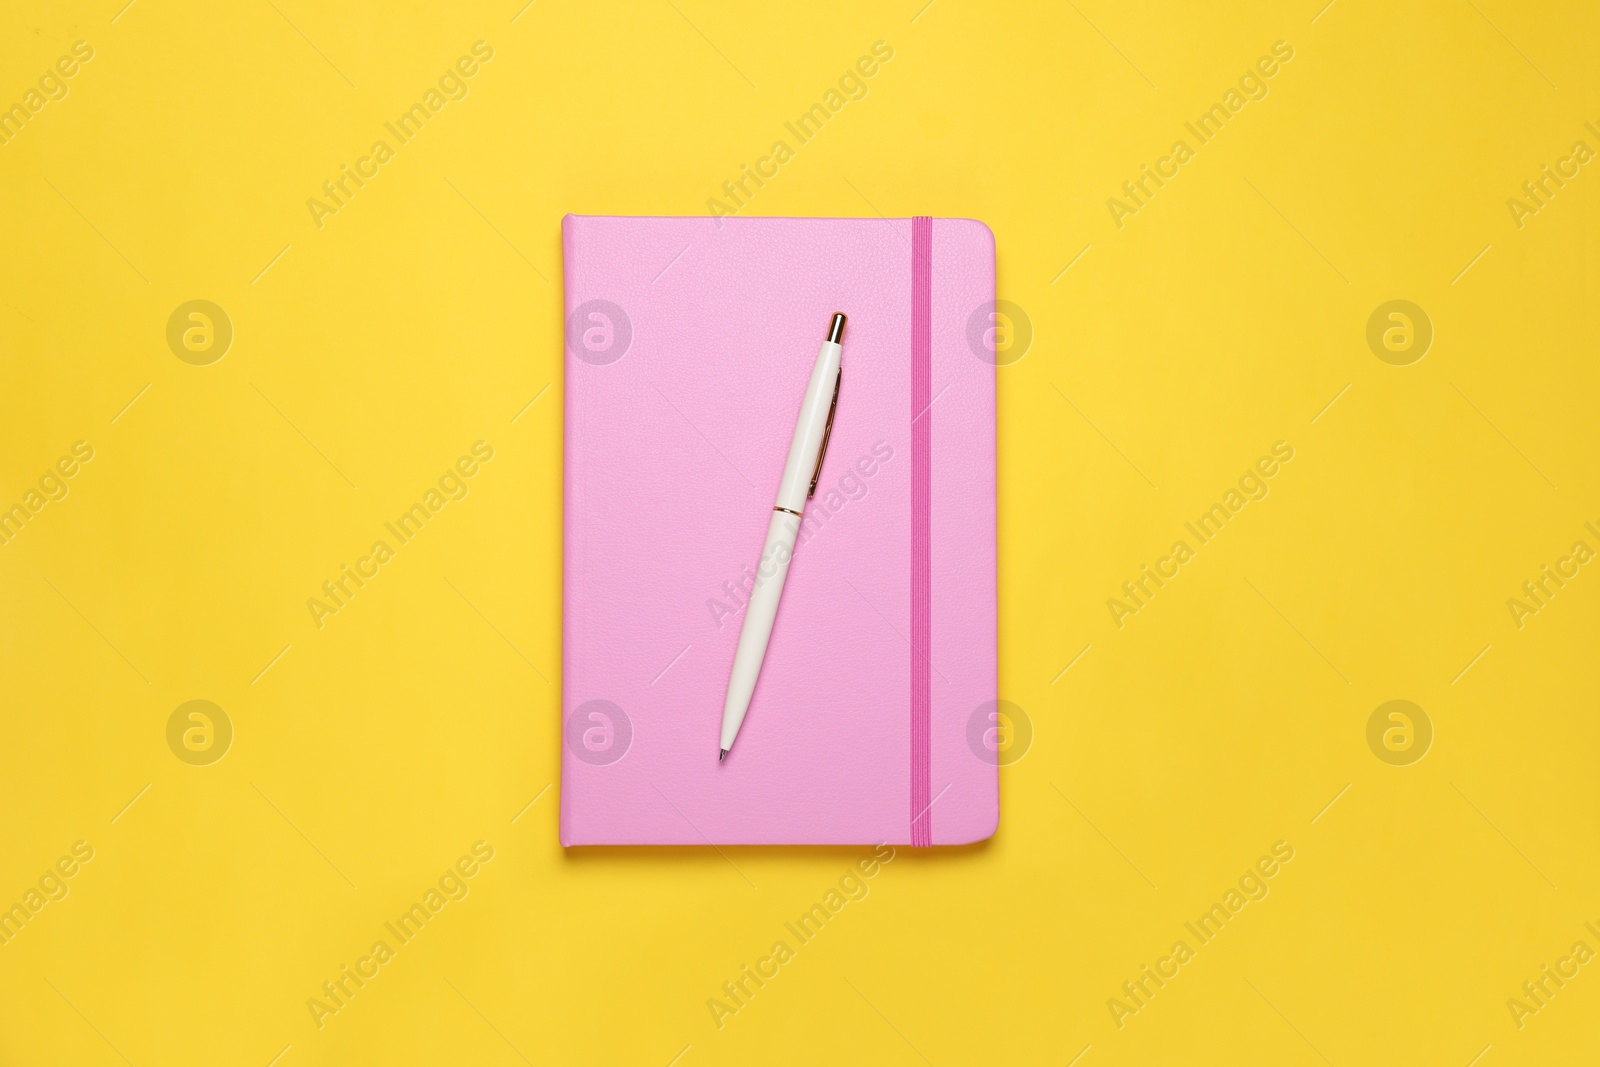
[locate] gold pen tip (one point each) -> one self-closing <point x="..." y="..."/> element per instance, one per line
<point x="836" y="327"/>
<point x="722" y="755"/>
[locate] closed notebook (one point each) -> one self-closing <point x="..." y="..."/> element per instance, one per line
<point x="689" y="342"/>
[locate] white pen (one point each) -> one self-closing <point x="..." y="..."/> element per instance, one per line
<point x="799" y="482"/>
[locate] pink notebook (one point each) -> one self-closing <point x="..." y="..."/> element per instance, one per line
<point x="689" y="342"/>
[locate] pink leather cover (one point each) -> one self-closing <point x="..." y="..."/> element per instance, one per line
<point x="688" y="349"/>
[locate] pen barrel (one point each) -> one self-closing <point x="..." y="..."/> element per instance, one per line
<point x="759" y="615"/>
<point x="810" y="429"/>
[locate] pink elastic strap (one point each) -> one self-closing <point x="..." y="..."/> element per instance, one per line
<point x="921" y="552"/>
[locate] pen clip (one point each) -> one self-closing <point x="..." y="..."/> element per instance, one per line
<point x="827" y="433"/>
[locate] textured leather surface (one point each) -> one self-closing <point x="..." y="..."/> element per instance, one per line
<point x="672" y="457"/>
<point x="922" y="418"/>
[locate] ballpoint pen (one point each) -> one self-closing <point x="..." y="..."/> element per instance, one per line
<point x="804" y="465"/>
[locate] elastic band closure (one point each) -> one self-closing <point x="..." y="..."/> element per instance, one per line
<point x="921" y="549"/>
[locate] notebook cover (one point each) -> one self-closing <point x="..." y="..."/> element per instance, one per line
<point x="689" y="342"/>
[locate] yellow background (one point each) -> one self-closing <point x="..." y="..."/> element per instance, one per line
<point x="1227" y="715"/>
